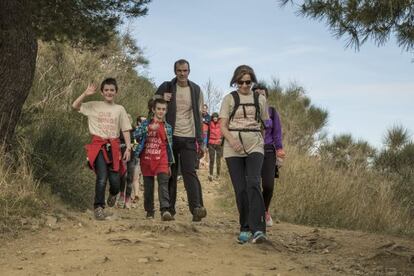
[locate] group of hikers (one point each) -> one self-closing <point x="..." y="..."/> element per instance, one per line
<point x="175" y="136"/>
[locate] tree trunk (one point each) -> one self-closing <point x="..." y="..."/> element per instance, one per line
<point x="18" y="51"/>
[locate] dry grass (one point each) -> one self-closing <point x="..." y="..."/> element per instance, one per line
<point x="316" y="193"/>
<point x="19" y="192"/>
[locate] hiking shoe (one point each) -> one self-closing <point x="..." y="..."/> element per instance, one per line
<point x="269" y="220"/>
<point x="111" y="200"/>
<point x="166" y="216"/>
<point x="210" y="178"/>
<point x="150" y="215"/>
<point x="199" y="213"/>
<point x="99" y="213"/>
<point x="244" y="237"/>
<point x="202" y="212"/>
<point x="259" y="237"/>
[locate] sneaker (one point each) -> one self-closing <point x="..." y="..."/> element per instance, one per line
<point x="259" y="237"/>
<point x="269" y="220"/>
<point x="99" y="213"/>
<point x="199" y="213"/>
<point x="244" y="237"/>
<point x="166" y="216"/>
<point x="111" y="200"/>
<point x="150" y="215"/>
<point x="128" y="203"/>
<point x="210" y="178"/>
<point x="121" y="201"/>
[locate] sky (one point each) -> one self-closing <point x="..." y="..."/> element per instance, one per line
<point x="365" y="92"/>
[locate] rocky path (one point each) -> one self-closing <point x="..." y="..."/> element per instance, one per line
<point x="75" y="244"/>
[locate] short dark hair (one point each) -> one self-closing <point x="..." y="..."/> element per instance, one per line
<point x="240" y="72"/>
<point x="215" y="114"/>
<point x="181" y="61"/>
<point x="159" y="101"/>
<point x="109" y="81"/>
<point x="261" y="86"/>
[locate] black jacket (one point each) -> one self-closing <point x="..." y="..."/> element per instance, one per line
<point x="171" y="86"/>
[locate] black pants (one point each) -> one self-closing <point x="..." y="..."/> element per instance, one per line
<point x="268" y="175"/>
<point x="163" y="195"/>
<point x="103" y="172"/>
<point x="184" y="150"/>
<point x="245" y="176"/>
<point x="213" y="152"/>
<point x="128" y="177"/>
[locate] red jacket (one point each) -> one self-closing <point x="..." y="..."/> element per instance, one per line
<point x="98" y="144"/>
<point x="214" y="133"/>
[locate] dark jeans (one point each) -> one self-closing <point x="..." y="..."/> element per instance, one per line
<point x="128" y="177"/>
<point x="163" y="195"/>
<point x="245" y="177"/>
<point x="185" y="152"/>
<point x="268" y="175"/>
<point x="213" y="152"/>
<point x="103" y="172"/>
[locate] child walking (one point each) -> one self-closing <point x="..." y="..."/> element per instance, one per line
<point x="105" y="119"/>
<point x="154" y="138"/>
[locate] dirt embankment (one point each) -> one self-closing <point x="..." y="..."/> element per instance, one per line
<point x="76" y="244"/>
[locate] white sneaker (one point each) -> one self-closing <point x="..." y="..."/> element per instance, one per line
<point x="268" y="218"/>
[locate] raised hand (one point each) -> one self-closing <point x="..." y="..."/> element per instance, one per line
<point x="90" y="90"/>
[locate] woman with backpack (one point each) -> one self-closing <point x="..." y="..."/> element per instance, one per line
<point x="242" y="114"/>
<point x="273" y="151"/>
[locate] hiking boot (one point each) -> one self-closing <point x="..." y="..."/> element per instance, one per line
<point x="166" y="216"/>
<point x="150" y="215"/>
<point x="259" y="237"/>
<point x="199" y="213"/>
<point x="210" y="177"/>
<point x="244" y="237"/>
<point x="111" y="200"/>
<point x="99" y="213"/>
<point x="269" y="220"/>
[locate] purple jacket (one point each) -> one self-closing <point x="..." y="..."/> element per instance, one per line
<point x="273" y="133"/>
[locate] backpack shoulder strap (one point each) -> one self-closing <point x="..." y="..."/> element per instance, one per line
<point x="236" y="99"/>
<point x="256" y="105"/>
<point x="258" y="116"/>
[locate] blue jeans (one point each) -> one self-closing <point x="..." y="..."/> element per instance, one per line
<point x="103" y="173"/>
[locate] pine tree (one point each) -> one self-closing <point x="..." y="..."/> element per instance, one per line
<point x="361" y="20"/>
<point x="23" y="22"/>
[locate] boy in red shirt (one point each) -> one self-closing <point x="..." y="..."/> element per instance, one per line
<point x="154" y="138"/>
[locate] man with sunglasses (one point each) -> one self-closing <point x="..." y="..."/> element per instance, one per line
<point x="185" y="102"/>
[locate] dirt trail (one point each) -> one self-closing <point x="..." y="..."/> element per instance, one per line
<point x="76" y="244"/>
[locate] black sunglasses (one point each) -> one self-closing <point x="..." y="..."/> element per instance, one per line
<point x="247" y="82"/>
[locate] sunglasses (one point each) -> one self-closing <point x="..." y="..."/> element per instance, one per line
<point x="247" y="82"/>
